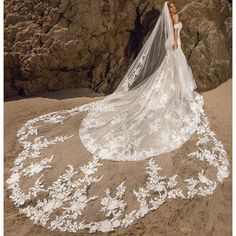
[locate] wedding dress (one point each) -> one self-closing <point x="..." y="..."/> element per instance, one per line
<point x="157" y="117"/>
<point x="154" y="111"/>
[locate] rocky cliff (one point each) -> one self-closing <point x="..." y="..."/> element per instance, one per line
<point x="55" y="44"/>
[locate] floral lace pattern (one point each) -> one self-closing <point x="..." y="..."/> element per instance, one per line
<point x="155" y="118"/>
<point x="125" y="128"/>
<point x="70" y="195"/>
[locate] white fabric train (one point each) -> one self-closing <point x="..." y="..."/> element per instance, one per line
<point x="155" y="118"/>
<point x="162" y="114"/>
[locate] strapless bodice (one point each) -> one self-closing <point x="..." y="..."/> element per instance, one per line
<point x="178" y="26"/>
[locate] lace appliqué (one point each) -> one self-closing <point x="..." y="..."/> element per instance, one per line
<point x="66" y="198"/>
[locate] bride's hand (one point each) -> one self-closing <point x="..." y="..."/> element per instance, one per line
<point x="175" y="45"/>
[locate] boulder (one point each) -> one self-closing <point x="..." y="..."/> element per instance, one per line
<point x="56" y="44"/>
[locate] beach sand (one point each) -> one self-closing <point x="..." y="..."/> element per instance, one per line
<point x="205" y="216"/>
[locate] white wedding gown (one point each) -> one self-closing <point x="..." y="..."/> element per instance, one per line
<point x="155" y="118"/>
<point x="53" y="181"/>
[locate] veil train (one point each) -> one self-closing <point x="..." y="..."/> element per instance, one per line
<point x="154" y="111"/>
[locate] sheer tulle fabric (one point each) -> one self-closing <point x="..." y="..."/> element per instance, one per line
<point x="151" y="55"/>
<point x="154" y="110"/>
<point x="156" y="116"/>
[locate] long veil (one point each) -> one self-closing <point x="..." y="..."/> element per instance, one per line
<point x="157" y="91"/>
<point x="151" y="55"/>
<point x="59" y="185"/>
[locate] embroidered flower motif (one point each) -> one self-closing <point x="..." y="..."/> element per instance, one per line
<point x="60" y="204"/>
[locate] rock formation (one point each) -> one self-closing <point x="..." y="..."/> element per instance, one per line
<point x="56" y="44"/>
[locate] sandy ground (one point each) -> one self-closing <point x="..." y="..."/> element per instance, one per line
<point x="208" y="216"/>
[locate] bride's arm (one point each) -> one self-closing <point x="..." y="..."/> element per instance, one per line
<point x="175" y="19"/>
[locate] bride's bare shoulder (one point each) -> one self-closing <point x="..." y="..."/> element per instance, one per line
<point x="175" y="18"/>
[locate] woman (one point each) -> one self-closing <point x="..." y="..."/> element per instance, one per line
<point x="175" y="19"/>
<point x="157" y="104"/>
<point x="154" y="110"/>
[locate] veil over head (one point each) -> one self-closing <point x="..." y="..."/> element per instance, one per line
<point x="151" y="55"/>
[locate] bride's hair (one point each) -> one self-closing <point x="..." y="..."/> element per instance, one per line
<point x="170" y="2"/>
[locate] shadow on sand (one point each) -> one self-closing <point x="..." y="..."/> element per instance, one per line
<point x="61" y="94"/>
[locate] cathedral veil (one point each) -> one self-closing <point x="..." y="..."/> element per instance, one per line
<point x="56" y="183"/>
<point x="151" y="55"/>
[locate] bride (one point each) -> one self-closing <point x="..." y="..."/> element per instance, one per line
<point x="153" y="111"/>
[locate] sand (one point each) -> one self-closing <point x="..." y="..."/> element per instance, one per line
<point x="201" y="216"/>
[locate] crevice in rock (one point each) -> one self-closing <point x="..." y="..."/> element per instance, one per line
<point x="63" y="69"/>
<point x="136" y="38"/>
<point x="196" y="44"/>
<point x="141" y="30"/>
<point x="149" y="21"/>
<point x="107" y="69"/>
<point x="21" y="92"/>
<point x="90" y="73"/>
